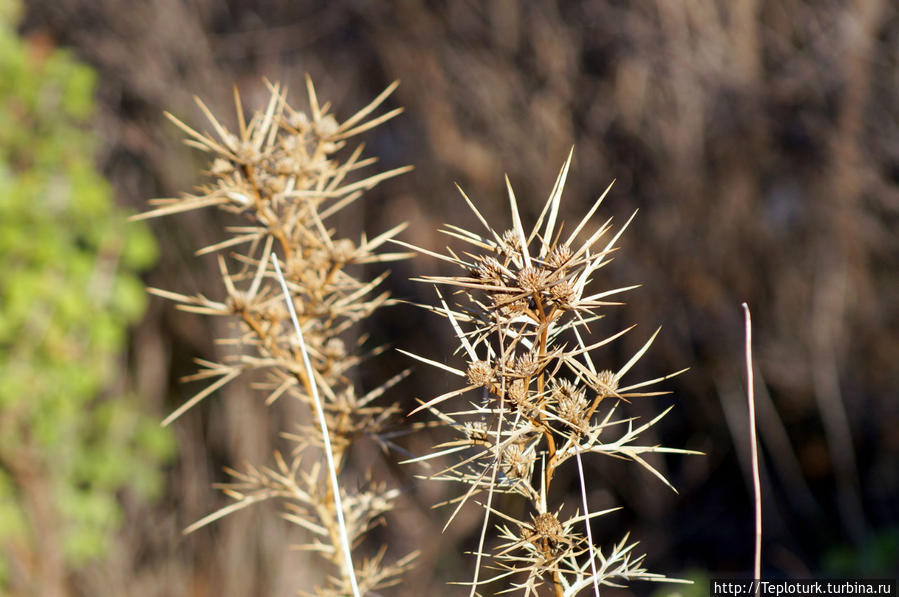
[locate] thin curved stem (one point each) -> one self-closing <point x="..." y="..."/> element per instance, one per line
<point x="326" y="439"/>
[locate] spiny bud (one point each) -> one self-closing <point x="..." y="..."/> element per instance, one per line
<point x="518" y="391"/>
<point x="559" y="256"/>
<point x="516" y="462"/>
<point x="298" y="120"/>
<point x="519" y="395"/>
<point x="343" y="250"/>
<point x="489" y="270"/>
<point x="570" y="403"/>
<point x="562" y="294"/>
<point x="506" y="306"/>
<point x="334" y="349"/>
<point x="606" y="383"/>
<point x="531" y="279"/>
<point x="221" y="166"/>
<point x="547" y="526"/>
<point x="525" y="365"/>
<point x="326" y="127"/>
<point x="479" y="373"/>
<point x="511" y="242"/>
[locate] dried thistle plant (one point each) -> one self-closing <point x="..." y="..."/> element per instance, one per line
<point x="281" y="172"/>
<point x="524" y="306"/>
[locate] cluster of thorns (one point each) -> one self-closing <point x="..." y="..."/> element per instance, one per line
<point x="521" y="318"/>
<point x="280" y="174"/>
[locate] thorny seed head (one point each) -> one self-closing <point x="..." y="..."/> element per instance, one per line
<point x="511" y="242"/>
<point x="559" y="256"/>
<point x="245" y="150"/>
<point x="548" y="526"/>
<point x="343" y="250"/>
<point x="606" y="383"/>
<point x="327" y="127"/>
<point x="298" y="121"/>
<point x="334" y="349"/>
<point x="275" y="184"/>
<point x="564" y="389"/>
<point x="236" y="302"/>
<point x="518" y="391"/>
<point x="479" y="373"/>
<point x="516" y="462"/>
<point x="221" y="167"/>
<point x="531" y="279"/>
<point x="489" y="270"/>
<point x="506" y="306"/>
<point x="548" y="533"/>
<point x="562" y="294"/>
<point x="571" y="403"/>
<point x="525" y="365"/>
<point x="520" y="396"/>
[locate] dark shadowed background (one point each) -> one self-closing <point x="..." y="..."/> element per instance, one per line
<point x="760" y="143"/>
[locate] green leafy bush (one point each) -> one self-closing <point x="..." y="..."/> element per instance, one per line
<point x="68" y="291"/>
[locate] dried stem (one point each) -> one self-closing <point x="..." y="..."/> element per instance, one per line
<point x="754" y="450"/>
<point x="326" y="436"/>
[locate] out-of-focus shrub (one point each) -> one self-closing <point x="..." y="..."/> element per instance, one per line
<point x="70" y="442"/>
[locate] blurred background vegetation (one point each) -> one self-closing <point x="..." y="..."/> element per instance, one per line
<point x="760" y="141"/>
<point x="78" y="452"/>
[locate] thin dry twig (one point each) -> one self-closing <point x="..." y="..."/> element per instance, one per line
<point x="326" y="436"/>
<point x="754" y="450"/>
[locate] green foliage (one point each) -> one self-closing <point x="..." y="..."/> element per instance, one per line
<point x="68" y="291"/>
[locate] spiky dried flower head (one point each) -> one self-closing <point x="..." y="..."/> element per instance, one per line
<point x="475" y="430"/>
<point x="562" y="294"/>
<point x="489" y="270"/>
<point x="334" y="349"/>
<point x="547" y="526"/>
<point x="570" y="403"/>
<point x="343" y="251"/>
<point x="480" y="373"/>
<point x="531" y="279"/>
<point x="559" y="256"/>
<point x="520" y="396"/>
<point x="547" y="534"/>
<point x="606" y="383"/>
<point x="507" y="305"/>
<point x="517" y="461"/>
<point x="221" y="167"/>
<point x="525" y="364"/>
<point x="511" y="242"/>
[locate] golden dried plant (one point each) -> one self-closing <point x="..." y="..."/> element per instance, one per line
<point x="283" y="174"/>
<point x="525" y="302"/>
